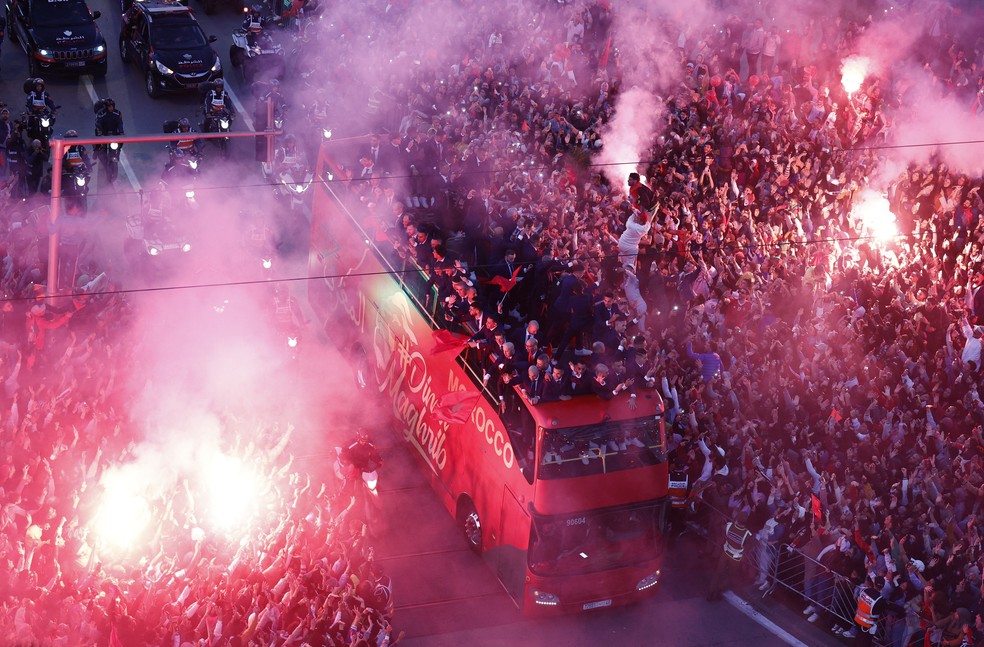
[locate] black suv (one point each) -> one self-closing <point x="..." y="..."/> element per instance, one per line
<point x="167" y="43"/>
<point x="58" y="36"/>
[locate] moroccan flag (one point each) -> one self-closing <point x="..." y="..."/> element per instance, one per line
<point x="603" y="59"/>
<point x="445" y="340"/>
<point x="505" y="284"/>
<point x="817" y="508"/>
<point x="836" y="415"/>
<point x="456" y="407"/>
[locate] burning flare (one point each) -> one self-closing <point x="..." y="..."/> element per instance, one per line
<point x="854" y="69"/>
<point x="876" y="216"/>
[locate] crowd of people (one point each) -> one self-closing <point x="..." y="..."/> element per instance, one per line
<point x="303" y="574"/>
<point x="832" y="376"/>
<point x="817" y="381"/>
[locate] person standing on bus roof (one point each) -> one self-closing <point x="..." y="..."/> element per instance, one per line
<point x="605" y="388"/>
<point x="535" y="385"/>
<point x="578" y="382"/>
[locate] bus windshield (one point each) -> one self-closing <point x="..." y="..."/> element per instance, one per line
<point x="596" y="540"/>
<point x="601" y="448"/>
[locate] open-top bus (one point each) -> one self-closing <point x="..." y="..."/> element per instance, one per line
<point x="565" y="502"/>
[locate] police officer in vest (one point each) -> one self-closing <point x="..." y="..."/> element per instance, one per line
<point x="75" y="156"/>
<point x="676" y="516"/>
<point x="871" y="605"/>
<point x="38" y="98"/>
<point x="217" y="99"/>
<point x="733" y="549"/>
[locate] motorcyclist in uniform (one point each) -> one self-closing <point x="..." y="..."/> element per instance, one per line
<point x="356" y="459"/>
<point x="38" y="99"/>
<point x="254" y="24"/>
<point x="217" y="99"/>
<point x="180" y="147"/>
<point x="75" y="156"/>
<point x="287" y="156"/>
<point x="287" y="309"/>
<point x="109" y="120"/>
<point x="270" y="92"/>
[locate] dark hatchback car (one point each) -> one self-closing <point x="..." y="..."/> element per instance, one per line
<point x="165" y="40"/>
<point x="58" y="36"/>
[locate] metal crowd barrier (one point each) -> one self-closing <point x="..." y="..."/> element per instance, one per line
<point x="783" y="568"/>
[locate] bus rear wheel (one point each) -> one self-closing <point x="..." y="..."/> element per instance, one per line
<point x="471" y="526"/>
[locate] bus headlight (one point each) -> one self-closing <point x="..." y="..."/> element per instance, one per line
<point x="153" y="251"/>
<point x="546" y="599"/>
<point x="648" y="582"/>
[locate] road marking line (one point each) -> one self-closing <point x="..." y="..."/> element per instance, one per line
<point x="770" y="626"/>
<point x="124" y="162"/>
<point x="239" y="107"/>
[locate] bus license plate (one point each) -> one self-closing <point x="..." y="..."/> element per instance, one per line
<point x="597" y="605"/>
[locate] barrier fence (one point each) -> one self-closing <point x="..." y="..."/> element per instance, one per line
<point x="785" y="572"/>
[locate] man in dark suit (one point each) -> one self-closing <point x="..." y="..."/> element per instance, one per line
<point x="578" y="382"/>
<point x="534" y="386"/>
<point x="531" y="351"/>
<point x="392" y="157"/>
<point x="606" y="313"/>
<point x="640" y="371"/>
<point x="605" y="387"/>
<point x="556" y="386"/>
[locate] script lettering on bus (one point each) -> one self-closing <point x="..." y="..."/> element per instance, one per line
<point x="485" y="425"/>
<point x="406" y="382"/>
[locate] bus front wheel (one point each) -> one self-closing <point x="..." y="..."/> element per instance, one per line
<point x="471" y="526"/>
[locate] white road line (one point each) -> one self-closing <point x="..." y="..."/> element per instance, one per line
<point x="772" y="627"/>
<point x="124" y="162"/>
<point x="239" y="106"/>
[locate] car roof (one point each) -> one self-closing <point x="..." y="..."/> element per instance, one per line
<point x="162" y="7"/>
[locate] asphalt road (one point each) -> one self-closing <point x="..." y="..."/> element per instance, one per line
<point x="444" y="594"/>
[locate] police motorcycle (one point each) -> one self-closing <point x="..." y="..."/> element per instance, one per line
<point x="40" y="112"/>
<point x="109" y="123"/>
<point x="288" y="320"/>
<point x="260" y="245"/>
<point x="357" y="466"/>
<point x="156" y="236"/>
<point x="218" y="114"/>
<point x="75" y="178"/>
<point x="184" y="159"/>
<point x="289" y="173"/>
<point x="254" y="51"/>
<point x="318" y="129"/>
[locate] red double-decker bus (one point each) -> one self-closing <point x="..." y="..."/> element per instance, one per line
<point x="566" y="500"/>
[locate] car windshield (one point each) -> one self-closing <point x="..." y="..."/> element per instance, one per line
<point x="60" y="13"/>
<point x="592" y="541"/>
<point x="177" y="36"/>
<point x="601" y="448"/>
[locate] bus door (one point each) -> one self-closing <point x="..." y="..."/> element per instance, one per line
<point x="514" y="537"/>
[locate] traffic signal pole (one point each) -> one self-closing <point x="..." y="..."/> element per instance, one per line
<point x="58" y="148"/>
